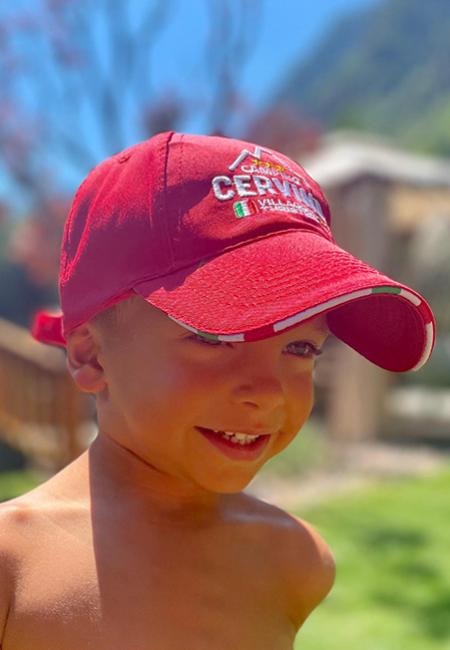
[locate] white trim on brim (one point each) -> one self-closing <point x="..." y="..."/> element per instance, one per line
<point x="429" y="338"/>
<point x="279" y="326"/>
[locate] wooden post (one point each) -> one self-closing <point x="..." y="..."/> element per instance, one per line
<point x="360" y="225"/>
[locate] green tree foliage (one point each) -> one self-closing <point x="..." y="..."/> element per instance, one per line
<point x="383" y="69"/>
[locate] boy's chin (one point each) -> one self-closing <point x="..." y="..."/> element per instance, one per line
<point x="232" y="483"/>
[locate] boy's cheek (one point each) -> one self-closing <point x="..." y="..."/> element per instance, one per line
<point x="285" y="437"/>
<point x="301" y="404"/>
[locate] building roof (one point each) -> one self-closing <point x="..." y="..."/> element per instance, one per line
<point x="346" y="155"/>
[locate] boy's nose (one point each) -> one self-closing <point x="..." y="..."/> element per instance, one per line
<point x="265" y="392"/>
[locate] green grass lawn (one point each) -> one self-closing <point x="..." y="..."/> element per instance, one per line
<point x="392" y="549"/>
<point x="13" y="484"/>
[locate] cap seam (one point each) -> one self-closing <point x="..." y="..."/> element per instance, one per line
<point x="164" y="219"/>
<point x="66" y="241"/>
<point x="183" y="195"/>
<point x="90" y="209"/>
<point x="227" y="250"/>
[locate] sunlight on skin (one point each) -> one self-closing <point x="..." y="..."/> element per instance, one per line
<point x="155" y="382"/>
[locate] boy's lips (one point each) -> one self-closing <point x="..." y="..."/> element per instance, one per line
<point x="250" y="450"/>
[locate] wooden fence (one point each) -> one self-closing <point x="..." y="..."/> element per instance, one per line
<point x="42" y="413"/>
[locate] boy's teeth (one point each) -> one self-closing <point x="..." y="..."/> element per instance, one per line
<point x="241" y="438"/>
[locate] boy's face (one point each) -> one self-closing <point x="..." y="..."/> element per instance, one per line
<point x="164" y="385"/>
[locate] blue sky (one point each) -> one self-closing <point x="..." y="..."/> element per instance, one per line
<point x="288" y="31"/>
<point x="283" y="32"/>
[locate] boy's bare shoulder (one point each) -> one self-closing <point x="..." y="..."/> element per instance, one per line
<point x="16" y="517"/>
<point x="13" y="519"/>
<point x="36" y="512"/>
<point x="20" y="520"/>
<point x="24" y="522"/>
<point x="17" y="514"/>
<point x="304" y="557"/>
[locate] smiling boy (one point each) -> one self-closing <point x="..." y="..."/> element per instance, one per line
<point x="193" y="309"/>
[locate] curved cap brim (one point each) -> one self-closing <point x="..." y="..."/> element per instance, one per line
<point x="274" y="283"/>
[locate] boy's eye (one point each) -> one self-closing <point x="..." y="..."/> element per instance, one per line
<point x="302" y="349"/>
<point x="305" y="349"/>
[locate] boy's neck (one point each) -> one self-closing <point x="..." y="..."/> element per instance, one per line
<point x="120" y="474"/>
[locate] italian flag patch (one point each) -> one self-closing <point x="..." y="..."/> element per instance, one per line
<point x="242" y="209"/>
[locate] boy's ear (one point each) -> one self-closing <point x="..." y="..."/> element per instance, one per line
<point x="82" y="360"/>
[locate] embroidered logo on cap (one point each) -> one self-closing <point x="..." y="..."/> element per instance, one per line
<point x="274" y="184"/>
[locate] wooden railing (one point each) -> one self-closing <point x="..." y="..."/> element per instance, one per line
<point x="42" y="413"/>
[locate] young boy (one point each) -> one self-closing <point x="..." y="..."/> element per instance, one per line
<point x="199" y="280"/>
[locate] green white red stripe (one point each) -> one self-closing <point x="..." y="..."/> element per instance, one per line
<point x="242" y="209"/>
<point x="281" y="325"/>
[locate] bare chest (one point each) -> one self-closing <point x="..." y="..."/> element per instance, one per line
<point x="163" y="592"/>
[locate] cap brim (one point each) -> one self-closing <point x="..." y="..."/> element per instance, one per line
<point x="276" y="282"/>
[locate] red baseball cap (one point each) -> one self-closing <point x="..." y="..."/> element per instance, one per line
<point x="231" y="240"/>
